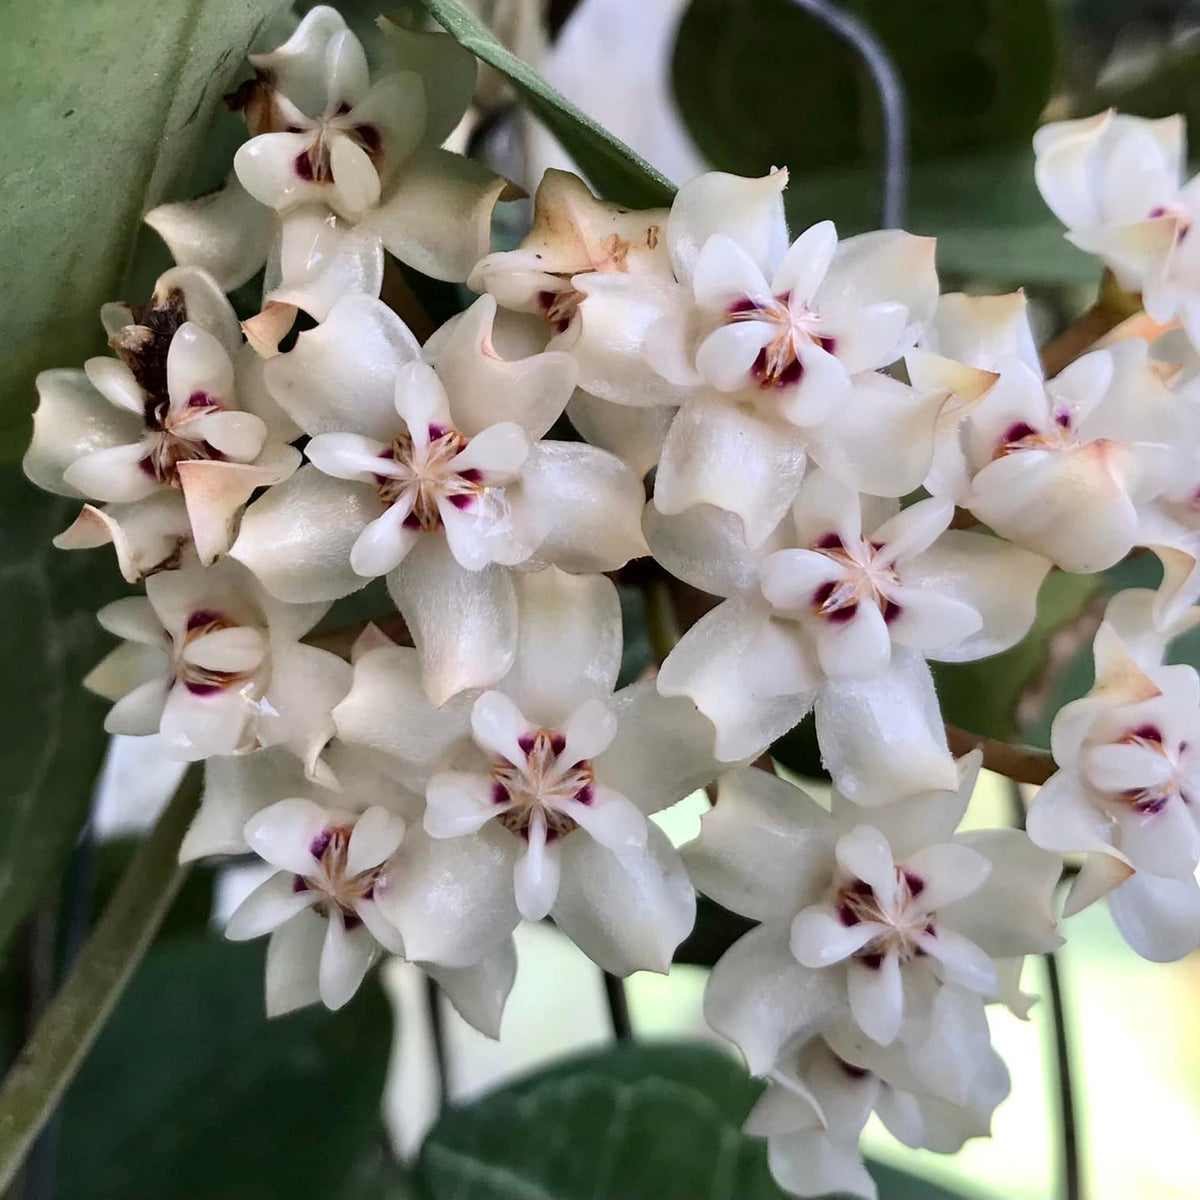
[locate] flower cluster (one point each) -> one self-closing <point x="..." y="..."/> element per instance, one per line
<point x="855" y="474"/>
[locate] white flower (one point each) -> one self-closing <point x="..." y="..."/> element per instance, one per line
<point x="214" y="665"/>
<point x="866" y="913"/>
<point x="174" y="436"/>
<point x="846" y="588"/>
<point x="574" y="233"/>
<point x="1126" y="794"/>
<point x="538" y="791"/>
<point x="1062" y="466"/>
<point x="434" y="477"/>
<point x="767" y="373"/>
<point x="822" y="1092"/>
<point x="352" y="168"/>
<point x="1116" y="182"/>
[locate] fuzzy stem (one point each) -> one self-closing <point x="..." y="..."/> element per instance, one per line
<point x="1022" y="764"/>
<point x="59" y="1044"/>
<point x="661" y="621"/>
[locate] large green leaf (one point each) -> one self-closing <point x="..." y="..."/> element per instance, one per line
<point x="767" y="83"/>
<point x="106" y="105"/>
<point x="53" y="730"/>
<point x="616" y="172"/>
<point x="635" y="1122"/>
<point x="192" y="1094"/>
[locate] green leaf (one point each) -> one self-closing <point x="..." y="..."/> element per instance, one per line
<point x="106" y="105"/>
<point x="66" y="1031"/>
<point x="615" y="171"/>
<point x="1001" y="696"/>
<point x="54" y="738"/>
<point x="192" y="1094"/>
<point x="634" y="1122"/>
<point x="767" y="83"/>
<point x="985" y="210"/>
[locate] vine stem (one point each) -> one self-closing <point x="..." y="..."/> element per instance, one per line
<point x="59" y="1044"/>
<point x="618" y="1007"/>
<point x="1113" y="308"/>
<point x="1021" y="764"/>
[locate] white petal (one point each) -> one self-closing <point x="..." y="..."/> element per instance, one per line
<point x="341" y="376"/>
<point x="949" y="872"/>
<point x="1118" y="768"/>
<point x="139" y="711"/>
<point x="479" y="992"/>
<point x="764" y="848"/>
<point x="962" y="962"/>
<point x="882" y="739"/>
<point x="806" y="262"/>
<point x="931" y="622"/>
<point x="613" y="821"/>
<point x="345" y="957"/>
<point x="858" y="648"/>
<point x="115" y="382"/>
<point x="376" y="835"/>
<point x="568" y="643"/>
<point x="536" y="872"/>
<point x="703" y="546"/>
<point x="387" y="681"/>
<point x="589" y="730"/>
<point x="464" y="623"/>
<point x="865" y="854"/>
<point x="459" y="803"/>
<point x="452" y="898"/>
<point x="283" y="834"/>
<point x="436" y="213"/>
<point x="293" y="959"/>
<point x="486" y="388"/>
<point x="750" y="211"/>
<point x="266" y="908"/>
<point x="266" y="168"/>
<point x="820" y="939"/>
<point x="1159" y="918"/>
<point x="580" y="506"/>
<point x="195" y="727"/>
<point x="724" y="274"/>
<point x="663" y="749"/>
<point x="355" y="180"/>
<point x="626" y="912"/>
<point x="226" y="232"/>
<point x="733" y="459"/>
<point x="383" y="544"/>
<point x="348" y="456"/>
<point x="115" y="474"/>
<point x="498" y="451"/>
<point x="632" y="434"/>
<point x="297" y="538"/>
<point x="726" y="357"/>
<point x="876" y="997"/>
<point x="710" y="664"/>
<point x="790" y="577"/>
<point x="239" y="649"/>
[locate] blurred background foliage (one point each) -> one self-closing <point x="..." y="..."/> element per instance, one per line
<point x="190" y="1093"/>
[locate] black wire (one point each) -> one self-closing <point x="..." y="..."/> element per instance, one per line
<point x="889" y="88"/>
<point x="618" y="1007"/>
<point x="1068" y="1120"/>
<point x="1068" y="1124"/>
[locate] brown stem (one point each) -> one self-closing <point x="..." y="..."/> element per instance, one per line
<point x="1112" y="307"/>
<point x="1022" y="764"/>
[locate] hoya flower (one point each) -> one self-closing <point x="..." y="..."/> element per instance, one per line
<point x="1125" y="796"/>
<point x="933" y="1096"/>
<point x="321" y="904"/>
<point x="213" y="664"/>
<point x="574" y="233"/>
<point x="538" y="791"/>
<point x="435" y="477"/>
<point x="1060" y="467"/>
<point x="845" y="589"/>
<point x="173" y="436"/>
<point x="1116" y="182"/>
<point x="771" y="352"/>
<point x="356" y="165"/>
<point x="867" y="913"/>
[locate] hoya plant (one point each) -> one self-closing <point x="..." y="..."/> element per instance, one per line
<point x="446" y="529"/>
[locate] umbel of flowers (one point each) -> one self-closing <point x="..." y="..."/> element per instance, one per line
<point x="781" y="401"/>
